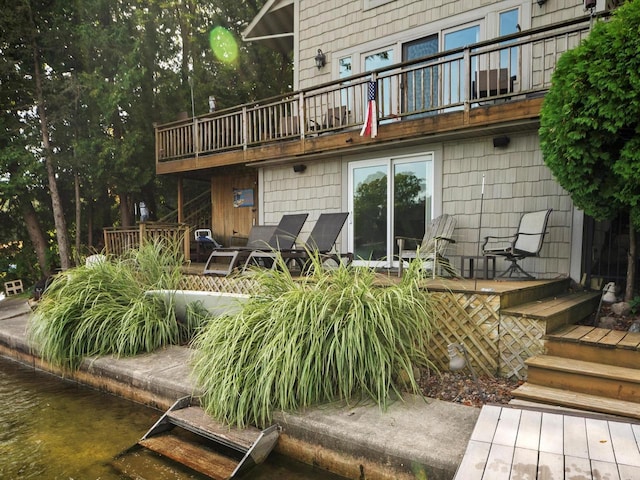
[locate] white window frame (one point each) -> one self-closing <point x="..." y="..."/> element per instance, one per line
<point x="432" y="155"/>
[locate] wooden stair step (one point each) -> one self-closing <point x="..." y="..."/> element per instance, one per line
<point x="611" y="348"/>
<point x="197" y="421"/>
<point x="582" y="401"/>
<point x="557" y="310"/>
<point x="582" y="376"/>
<point x="594" y="369"/>
<point x="195" y="456"/>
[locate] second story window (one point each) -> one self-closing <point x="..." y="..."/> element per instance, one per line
<point x="508" y="24"/>
<point x="373" y="61"/>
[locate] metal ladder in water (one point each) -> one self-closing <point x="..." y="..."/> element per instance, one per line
<point x="226" y="451"/>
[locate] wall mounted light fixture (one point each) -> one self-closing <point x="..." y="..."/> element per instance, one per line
<point x="501" y="141"/>
<point x="321" y="59"/>
<point x="299" y="168"/>
<point x="541" y="2"/>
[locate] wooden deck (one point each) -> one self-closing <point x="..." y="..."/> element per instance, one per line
<point x="513" y="443"/>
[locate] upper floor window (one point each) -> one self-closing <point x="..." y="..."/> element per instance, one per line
<point x="508" y="23"/>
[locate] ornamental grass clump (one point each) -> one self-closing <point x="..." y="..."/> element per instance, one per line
<point x="103" y="309"/>
<point x="334" y="334"/>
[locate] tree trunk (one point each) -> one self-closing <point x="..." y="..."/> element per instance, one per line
<point x="56" y="203"/>
<point x="76" y="181"/>
<point x="631" y="263"/>
<point x="36" y="236"/>
<point x="125" y="211"/>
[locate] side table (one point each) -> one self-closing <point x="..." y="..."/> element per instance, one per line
<point x="471" y="261"/>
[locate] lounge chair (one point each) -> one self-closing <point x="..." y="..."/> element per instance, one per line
<point x="526" y="242"/>
<point x="321" y="241"/>
<point x="223" y="261"/>
<point x="433" y="246"/>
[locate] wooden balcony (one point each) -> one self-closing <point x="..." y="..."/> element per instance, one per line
<point x="494" y="84"/>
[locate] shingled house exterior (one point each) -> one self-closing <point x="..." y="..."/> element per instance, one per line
<point x="457" y="86"/>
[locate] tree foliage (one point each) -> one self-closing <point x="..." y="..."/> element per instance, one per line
<point x="590" y="120"/>
<point x="109" y="70"/>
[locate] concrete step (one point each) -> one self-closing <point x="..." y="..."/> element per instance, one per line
<point x="610" y="381"/>
<point x="574" y="400"/>
<point x="557" y="310"/>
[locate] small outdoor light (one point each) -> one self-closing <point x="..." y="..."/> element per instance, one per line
<point x="212" y="104"/>
<point x="458" y="358"/>
<point x="541" y="2"/>
<point x="321" y="59"/>
<point x="501" y="141"/>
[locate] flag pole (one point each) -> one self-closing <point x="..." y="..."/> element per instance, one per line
<point x="475" y="285"/>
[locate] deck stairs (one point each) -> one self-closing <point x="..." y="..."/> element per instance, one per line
<point x="586" y="368"/>
<point x="187" y="435"/>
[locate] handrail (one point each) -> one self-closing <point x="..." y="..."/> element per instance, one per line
<point x="510" y="67"/>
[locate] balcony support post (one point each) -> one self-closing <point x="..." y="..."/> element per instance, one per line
<point x="301" y="115"/>
<point x="245" y="126"/>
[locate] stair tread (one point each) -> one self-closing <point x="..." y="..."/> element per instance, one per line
<point x="196" y="420"/>
<point x="194" y="456"/>
<point x="582" y="367"/>
<point x="604" y="337"/>
<point x="582" y="401"/>
<point x="549" y="306"/>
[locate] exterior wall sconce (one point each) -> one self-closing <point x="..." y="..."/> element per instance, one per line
<point x="541" y="2"/>
<point x="321" y="59"/>
<point x="299" y="168"/>
<point x="458" y="358"/>
<point x="501" y="141"/>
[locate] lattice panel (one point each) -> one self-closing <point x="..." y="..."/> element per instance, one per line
<point x="470" y="319"/>
<point x="520" y="338"/>
<point x="218" y="284"/>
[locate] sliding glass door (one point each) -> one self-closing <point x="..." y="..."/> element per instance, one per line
<point x="388" y="198"/>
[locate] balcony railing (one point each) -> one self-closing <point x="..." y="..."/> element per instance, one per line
<point x="509" y="68"/>
<point x="118" y="240"/>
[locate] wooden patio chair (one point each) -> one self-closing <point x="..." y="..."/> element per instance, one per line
<point x="438" y="236"/>
<point x="223" y="261"/>
<point x="321" y="242"/>
<point x="526" y="242"/>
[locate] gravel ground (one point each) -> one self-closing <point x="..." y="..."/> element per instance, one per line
<point x="459" y="387"/>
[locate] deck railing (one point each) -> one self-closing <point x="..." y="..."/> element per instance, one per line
<point x="117" y="240"/>
<point x="508" y="68"/>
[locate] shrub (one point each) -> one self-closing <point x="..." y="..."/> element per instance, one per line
<point x="102" y="309"/>
<point x="334" y="334"/>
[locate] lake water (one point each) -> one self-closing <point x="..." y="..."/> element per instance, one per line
<point x="55" y="429"/>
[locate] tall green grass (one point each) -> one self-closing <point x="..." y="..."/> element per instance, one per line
<point x="336" y="334"/>
<point x="102" y="309"/>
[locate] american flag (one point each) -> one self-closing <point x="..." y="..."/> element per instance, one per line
<point x="370" y="126"/>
